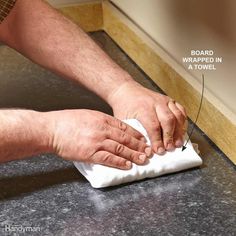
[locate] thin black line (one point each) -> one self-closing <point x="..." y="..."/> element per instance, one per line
<point x="203" y="85"/>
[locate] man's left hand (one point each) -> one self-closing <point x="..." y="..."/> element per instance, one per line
<point x="163" y="118"/>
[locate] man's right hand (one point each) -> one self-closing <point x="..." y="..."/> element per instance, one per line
<point x="94" y="137"/>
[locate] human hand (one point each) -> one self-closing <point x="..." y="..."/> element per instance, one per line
<point x="163" y="118"/>
<point x="94" y="137"/>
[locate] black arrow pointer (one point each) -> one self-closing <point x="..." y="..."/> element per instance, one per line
<point x="200" y="106"/>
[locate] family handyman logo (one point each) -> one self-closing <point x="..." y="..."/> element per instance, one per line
<point x="20" y="228"/>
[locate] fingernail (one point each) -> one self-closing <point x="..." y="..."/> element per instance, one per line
<point x="178" y="143"/>
<point x="170" y="146"/>
<point x="148" y="151"/>
<point x="161" y="150"/>
<point x="142" y="158"/>
<point x="128" y="164"/>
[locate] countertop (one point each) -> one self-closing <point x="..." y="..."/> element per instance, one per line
<point x="49" y="195"/>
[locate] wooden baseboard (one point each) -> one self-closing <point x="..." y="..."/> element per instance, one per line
<point x="89" y="16"/>
<point x="215" y="119"/>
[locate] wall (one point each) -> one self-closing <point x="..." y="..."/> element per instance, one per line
<point x="179" y="26"/>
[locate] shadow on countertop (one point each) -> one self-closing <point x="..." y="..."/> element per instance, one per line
<point x="17" y="186"/>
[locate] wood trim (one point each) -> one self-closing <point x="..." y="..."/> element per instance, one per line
<point x="215" y="119"/>
<point x="89" y="16"/>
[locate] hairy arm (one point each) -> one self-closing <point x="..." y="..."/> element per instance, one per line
<point x="99" y="138"/>
<point x="23" y="133"/>
<point x="45" y="36"/>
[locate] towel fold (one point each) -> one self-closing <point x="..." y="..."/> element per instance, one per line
<point x="101" y="176"/>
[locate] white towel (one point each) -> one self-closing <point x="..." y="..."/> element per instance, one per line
<point x="101" y="176"/>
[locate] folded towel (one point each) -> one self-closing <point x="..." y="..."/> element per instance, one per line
<point x="101" y="176"/>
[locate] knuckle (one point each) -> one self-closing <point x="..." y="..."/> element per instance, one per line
<point x="119" y="149"/>
<point x="97" y="136"/>
<point x="152" y="122"/>
<point x="120" y="162"/>
<point x="133" y="156"/>
<point x="180" y="116"/>
<point x="157" y="129"/>
<point x="101" y="145"/>
<point x="104" y="120"/>
<point x="103" y="127"/>
<point x="123" y="137"/>
<point x="106" y="133"/>
<point x="93" y="135"/>
<point x="153" y="125"/>
<point x="106" y="158"/>
<point x="122" y="126"/>
<point x="170" y="119"/>
<point x="141" y="147"/>
<point x="178" y="113"/>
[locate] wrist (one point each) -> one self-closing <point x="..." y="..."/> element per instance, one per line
<point x="121" y="91"/>
<point x="42" y="135"/>
<point x="34" y="130"/>
<point x="113" y="82"/>
<point x="23" y="133"/>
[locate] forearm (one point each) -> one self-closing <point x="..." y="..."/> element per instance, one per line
<point x="45" y="36"/>
<point x="23" y="133"/>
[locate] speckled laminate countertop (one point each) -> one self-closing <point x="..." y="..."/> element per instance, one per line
<point x="50" y="196"/>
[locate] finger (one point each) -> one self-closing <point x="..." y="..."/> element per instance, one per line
<point x="116" y="123"/>
<point x="128" y="140"/>
<point x="182" y="109"/>
<point x="121" y="150"/>
<point x="167" y="121"/>
<point x="180" y="120"/>
<point x="109" y="159"/>
<point x="153" y="128"/>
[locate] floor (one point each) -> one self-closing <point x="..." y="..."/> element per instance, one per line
<point x="50" y="196"/>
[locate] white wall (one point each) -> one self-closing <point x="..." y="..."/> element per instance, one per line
<point x="181" y="25"/>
